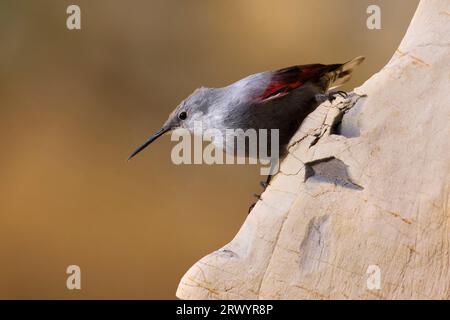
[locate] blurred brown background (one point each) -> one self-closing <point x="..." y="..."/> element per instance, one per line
<point x="74" y="104"/>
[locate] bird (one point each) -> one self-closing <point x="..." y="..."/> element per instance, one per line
<point x="279" y="99"/>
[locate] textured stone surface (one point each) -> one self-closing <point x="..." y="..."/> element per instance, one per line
<point x="372" y="190"/>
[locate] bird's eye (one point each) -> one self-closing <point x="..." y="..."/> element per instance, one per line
<point x="182" y="115"/>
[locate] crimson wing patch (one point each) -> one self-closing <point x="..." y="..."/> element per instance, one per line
<point x="285" y="80"/>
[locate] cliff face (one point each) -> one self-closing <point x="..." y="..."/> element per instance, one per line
<point x="360" y="208"/>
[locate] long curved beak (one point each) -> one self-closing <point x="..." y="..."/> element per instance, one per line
<point x="155" y="136"/>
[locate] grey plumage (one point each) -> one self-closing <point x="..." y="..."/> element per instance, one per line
<point x="278" y="99"/>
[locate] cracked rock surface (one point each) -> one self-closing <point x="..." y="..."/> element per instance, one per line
<point x="366" y="183"/>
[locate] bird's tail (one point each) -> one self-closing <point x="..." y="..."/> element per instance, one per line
<point x="343" y="72"/>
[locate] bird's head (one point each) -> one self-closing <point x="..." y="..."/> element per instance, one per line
<point x="190" y="110"/>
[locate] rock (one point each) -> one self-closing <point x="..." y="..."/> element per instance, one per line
<point x="360" y="207"/>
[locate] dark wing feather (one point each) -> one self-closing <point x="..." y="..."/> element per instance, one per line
<point x="285" y="80"/>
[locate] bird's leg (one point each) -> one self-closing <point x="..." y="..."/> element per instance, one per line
<point x="264" y="185"/>
<point x="257" y="196"/>
<point x="330" y="95"/>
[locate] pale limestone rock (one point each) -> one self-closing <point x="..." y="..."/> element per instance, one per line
<point x="376" y="194"/>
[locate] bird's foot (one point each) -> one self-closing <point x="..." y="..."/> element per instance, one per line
<point x="333" y="93"/>
<point x="264" y="185"/>
<point x="257" y="196"/>
<point x="330" y="96"/>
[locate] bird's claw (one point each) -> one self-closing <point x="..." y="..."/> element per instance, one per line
<point x="257" y="196"/>
<point x="331" y="96"/>
<point x="264" y="185"/>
